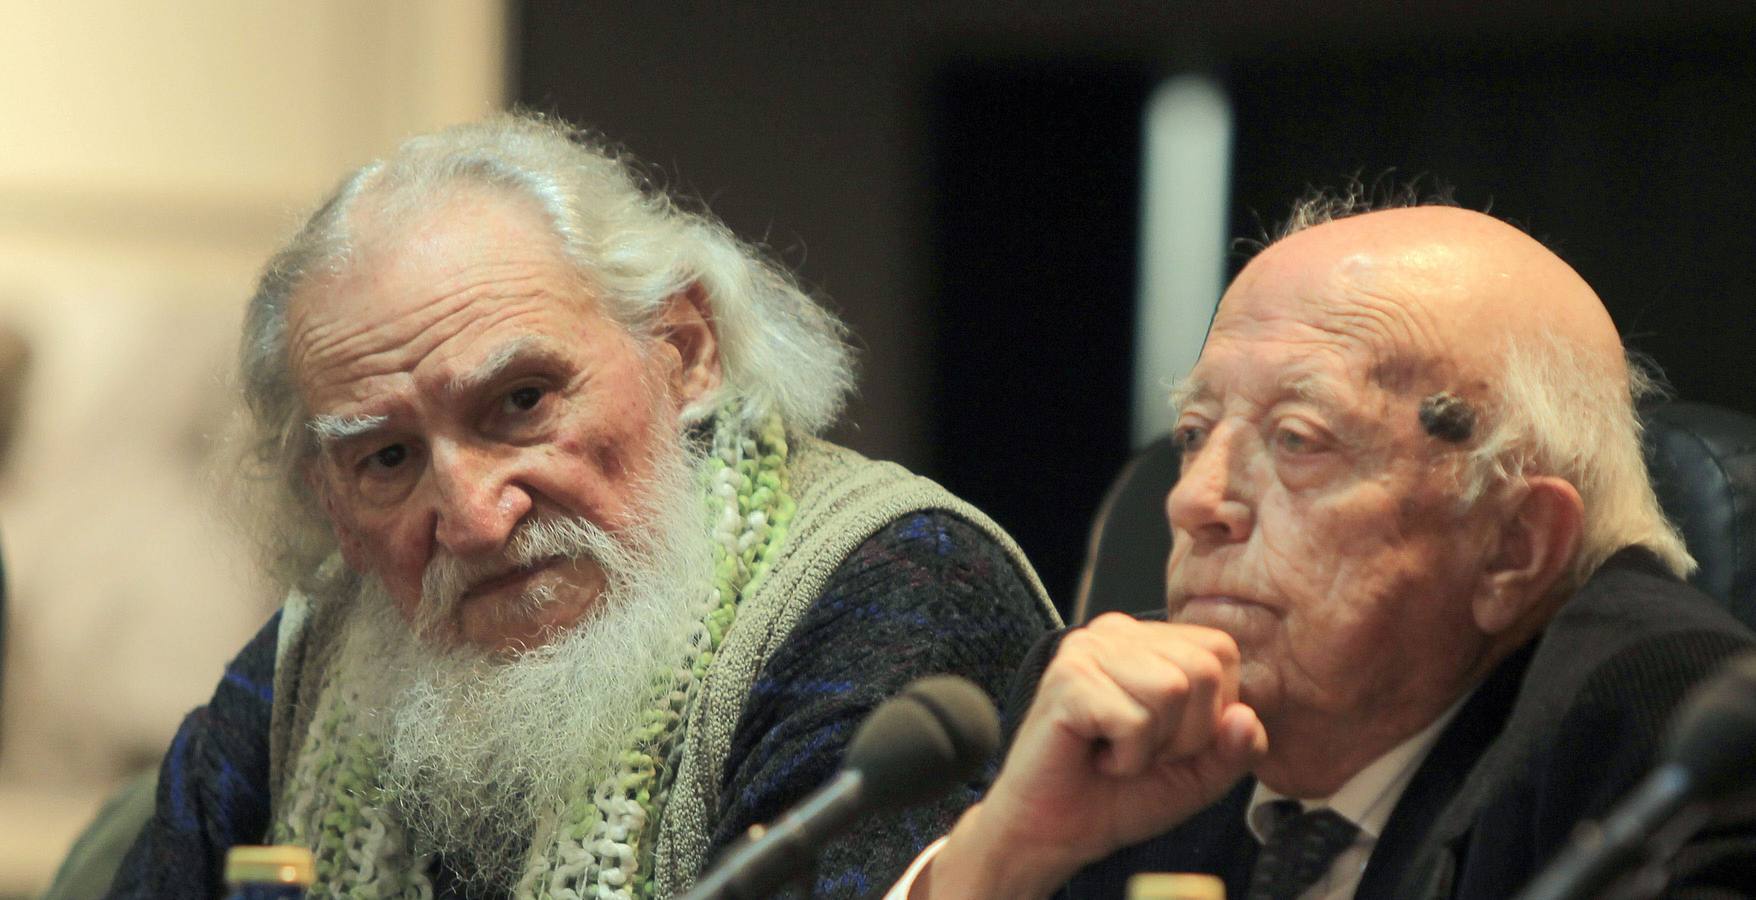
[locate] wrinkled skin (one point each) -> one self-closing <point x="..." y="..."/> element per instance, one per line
<point x="508" y="395"/>
<point x="1316" y="521"/>
<point x="1330" y="594"/>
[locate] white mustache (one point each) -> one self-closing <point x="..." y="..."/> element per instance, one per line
<point x="448" y="579"/>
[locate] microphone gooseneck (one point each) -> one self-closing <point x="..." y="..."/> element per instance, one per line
<point x="913" y="748"/>
<point x="1709" y="747"/>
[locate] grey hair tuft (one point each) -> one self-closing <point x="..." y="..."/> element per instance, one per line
<point x="1556" y="412"/>
<point x="1318" y="206"/>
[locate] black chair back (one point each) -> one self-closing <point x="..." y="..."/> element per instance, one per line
<point x="1703" y="464"/>
<point x="1130" y="539"/>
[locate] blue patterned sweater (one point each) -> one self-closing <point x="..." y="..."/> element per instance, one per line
<point x="929" y="593"/>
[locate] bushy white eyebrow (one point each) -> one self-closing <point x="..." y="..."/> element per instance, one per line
<point x="1317" y="391"/>
<point x="490" y="368"/>
<point x="1185" y="392"/>
<point x="330" y="429"/>
<point x="1320" y="392"/>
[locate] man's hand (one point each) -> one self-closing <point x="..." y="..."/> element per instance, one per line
<point x="1135" y="727"/>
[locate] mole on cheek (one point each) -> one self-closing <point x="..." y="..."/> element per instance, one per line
<point x="1448" y="417"/>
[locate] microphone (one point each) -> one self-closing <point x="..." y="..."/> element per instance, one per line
<point x="1710" y="745"/>
<point x="914" y="747"/>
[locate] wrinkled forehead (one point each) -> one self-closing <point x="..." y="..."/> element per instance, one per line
<point x="1399" y="321"/>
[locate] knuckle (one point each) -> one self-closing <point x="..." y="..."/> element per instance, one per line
<point x="1079" y="640"/>
<point x="1067" y="673"/>
<point x="1129" y="723"/>
<point x="1225" y="650"/>
<point x="1109" y="621"/>
<point x="1204" y="668"/>
<point x="1077" y="649"/>
<point x="1171" y="686"/>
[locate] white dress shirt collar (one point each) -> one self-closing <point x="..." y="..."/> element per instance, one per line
<point x="1366" y="800"/>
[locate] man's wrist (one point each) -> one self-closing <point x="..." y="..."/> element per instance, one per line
<point x="978" y="861"/>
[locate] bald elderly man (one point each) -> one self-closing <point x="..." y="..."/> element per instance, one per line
<point x="1425" y="613"/>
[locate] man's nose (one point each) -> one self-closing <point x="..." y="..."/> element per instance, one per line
<point x="478" y="502"/>
<point x="1208" y="501"/>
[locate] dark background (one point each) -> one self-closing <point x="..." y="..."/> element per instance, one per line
<point x="961" y="183"/>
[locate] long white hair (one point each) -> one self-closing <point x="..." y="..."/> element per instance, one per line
<point x="631" y="243"/>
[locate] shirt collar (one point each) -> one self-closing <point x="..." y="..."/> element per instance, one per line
<point x="1368" y="798"/>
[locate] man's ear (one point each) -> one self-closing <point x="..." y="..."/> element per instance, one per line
<point x="1537" y="541"/>
<point x="347" y="541"/>
<point x="686" y="325"/>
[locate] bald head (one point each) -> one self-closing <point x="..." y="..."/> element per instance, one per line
<point x="1510" y="355"/>
<point x="1408" y="438"/>
<point x="1432" y="293"/>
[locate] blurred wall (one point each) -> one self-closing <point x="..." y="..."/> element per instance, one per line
<point x="794" y="122"/>
<point x="154" y="153"/>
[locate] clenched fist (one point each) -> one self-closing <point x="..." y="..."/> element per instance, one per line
<point x="1135" y="727"/>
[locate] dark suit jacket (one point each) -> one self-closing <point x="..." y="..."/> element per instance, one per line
<point x="1557" y="733"/>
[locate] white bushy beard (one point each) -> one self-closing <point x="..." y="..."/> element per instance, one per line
<point x="480" y="747"/>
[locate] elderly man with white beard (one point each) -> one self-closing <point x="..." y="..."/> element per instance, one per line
<point x="574" y="597"/>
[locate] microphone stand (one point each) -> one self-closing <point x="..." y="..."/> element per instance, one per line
<point x="767" y="858"/>
<point x="1649" y="873"/>
<point x="912" y="748"/>
<point x="1626" y="856"/>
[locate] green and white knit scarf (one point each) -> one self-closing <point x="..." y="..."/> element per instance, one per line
<point x="601" y="844"/>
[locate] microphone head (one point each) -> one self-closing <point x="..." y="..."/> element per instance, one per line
<point x="1713" y="734"/>
<point x="919" y="744"/>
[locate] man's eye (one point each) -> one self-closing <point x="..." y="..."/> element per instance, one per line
<point x="1188" y="437"/>
<point x="390" y="457"/>
<point x="523" y="399"/>
<point x="1294" y="442"/>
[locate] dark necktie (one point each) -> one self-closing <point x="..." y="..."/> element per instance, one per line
<point x="1301" y="846"/>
